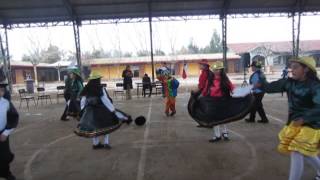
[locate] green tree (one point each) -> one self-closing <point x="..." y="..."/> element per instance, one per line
<point x="127" y="54"/>
<point x="215" y="45"/>
<point x="159" y="52"/>
<point x="142" y="53"/>
<point x="192" y="47"/>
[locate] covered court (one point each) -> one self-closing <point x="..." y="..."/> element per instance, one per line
<point x="166" y="148"/>
<point x="170" y="148"/>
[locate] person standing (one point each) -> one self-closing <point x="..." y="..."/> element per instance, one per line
<point x="300" y="137"/>
<point x="284" y="75"/>
<point x="257" y="79"/>
<point x="170" y="85"/>
<point x="67" y="95"/>
<point x="127" y="81"/>
<point x="146" y="84"/>
<point x="99" y="116"/>
<point x="76" y="88"/>
<point x="8" y="122"/>
<point x="220" y="87"/>
<point x="205" y="74"/>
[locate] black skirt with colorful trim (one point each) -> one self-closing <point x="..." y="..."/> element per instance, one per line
<point x="97" y="120"/>
<point x="210" y="111"/>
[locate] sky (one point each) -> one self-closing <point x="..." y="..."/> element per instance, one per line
<point x="131" y="37"/>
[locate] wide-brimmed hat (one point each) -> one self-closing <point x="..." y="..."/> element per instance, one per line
<point x="75" y="71"/>
<point x="4" y="83"/>
<point x="204" y="62"/>
<point x="217" y="65"/>
<point x="256" y="64"/>
<point x="307" y="61"/>
<point x="94" y="75"/>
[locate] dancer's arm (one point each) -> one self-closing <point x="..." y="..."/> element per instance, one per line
<point x="106" y="101"/>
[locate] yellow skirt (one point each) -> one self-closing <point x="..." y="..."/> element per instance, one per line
<point x="302" y="139"/>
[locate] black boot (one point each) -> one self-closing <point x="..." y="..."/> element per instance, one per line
<point x="98" y="146"/>
<point x="215" y="139"/>
<point x="250" y="120"/>
<point x="265" y="120"/>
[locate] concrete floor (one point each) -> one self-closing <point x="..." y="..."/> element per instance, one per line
<point x="167" y="148"/>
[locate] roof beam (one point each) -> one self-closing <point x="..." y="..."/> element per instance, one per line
<point x="225" y="7"/>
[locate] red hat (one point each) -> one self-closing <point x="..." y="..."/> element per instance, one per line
<point x="204" y="62"/>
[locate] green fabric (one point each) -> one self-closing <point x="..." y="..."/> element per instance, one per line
<point x="76" y="88"/>
<point x="303" y="99"/>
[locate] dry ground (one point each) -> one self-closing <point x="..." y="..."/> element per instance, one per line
<point x="167" y="148"/>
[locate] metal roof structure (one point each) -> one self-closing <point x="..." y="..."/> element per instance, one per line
<point x="40" y="11"/>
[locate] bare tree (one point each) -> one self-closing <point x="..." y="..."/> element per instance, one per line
<point x="34" y="55"/>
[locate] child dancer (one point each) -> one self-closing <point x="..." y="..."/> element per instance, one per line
<point x="170" y="85"/>
<point x="300" y="137"/>
<point x="8" y="121"/>
<point x="99" y="116"/>
<point x="220" y="86"/>
<point x="76" y="88"/>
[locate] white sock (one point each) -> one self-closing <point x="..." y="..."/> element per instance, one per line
<point x="296" y="166"/>
<point x="314" y="161"/>
<point x="216" y="130"/>
<point x="225" y="130"/>
<point x="95" y="140"/>
<point x="106" y="139"/>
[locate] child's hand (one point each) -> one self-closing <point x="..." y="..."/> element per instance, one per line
<point x="3" y="138"/>
<point x="297" y="122"/>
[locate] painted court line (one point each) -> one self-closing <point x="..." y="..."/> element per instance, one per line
<point x="276" y="119"/>
<point x="253" y="152"/>
<point x="27" y="168"/>
<point x="143" y="152"/>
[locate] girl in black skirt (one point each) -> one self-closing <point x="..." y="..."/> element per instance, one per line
<point x="98" y="115"/>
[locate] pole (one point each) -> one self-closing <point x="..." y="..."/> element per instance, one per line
<point x="77" y="43"/>
<point x="224" y="41"/>
<point x="151" y="40"/>
<point x="9" y="77"/>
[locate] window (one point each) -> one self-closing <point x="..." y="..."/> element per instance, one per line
<point x="135" y="73"/>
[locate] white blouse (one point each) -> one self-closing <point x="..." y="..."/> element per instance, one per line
<point x="105" y="100"/>
<point x="4" y="108"/>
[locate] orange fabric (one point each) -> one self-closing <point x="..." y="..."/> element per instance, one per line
<point x="170" y="104"/>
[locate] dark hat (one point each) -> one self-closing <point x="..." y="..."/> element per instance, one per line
<point x="4" y="83"/>
<point x="204" y="62"/>
<point x="140" y="121"/>
<point x="256" y="64"/>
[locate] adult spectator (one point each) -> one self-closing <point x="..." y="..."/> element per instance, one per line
<point x="257" y="79"/>
<point x="146" y="84"/>
<point x="127" y="81"/>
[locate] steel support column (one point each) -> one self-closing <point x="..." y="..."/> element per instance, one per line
<point x="151" y="39"/>
<point x="77" y="43"/>
<point x="5" y="55"/>
<point x="224" y="42"/>
<point x="223" y="18"/>
<point x="296" y="18"/>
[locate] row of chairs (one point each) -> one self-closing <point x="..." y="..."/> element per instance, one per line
<point x="119" y="89"/>
<point x="41" y="95"/>
<point x="24" y="96"/>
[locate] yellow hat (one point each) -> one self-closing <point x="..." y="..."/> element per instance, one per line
<point x="94" y="75"/>
<point x="308" y="61"/>
<point x="217" y="65"/>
